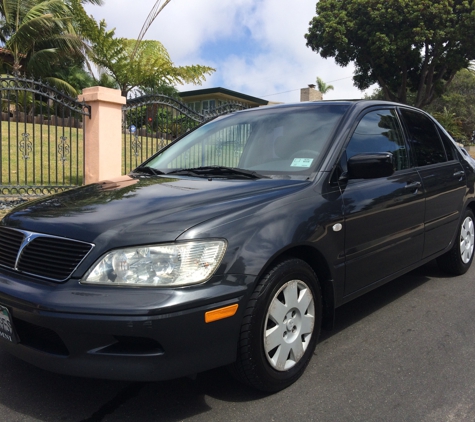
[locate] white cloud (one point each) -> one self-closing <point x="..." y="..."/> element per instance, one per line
<point x="274" y="29"/>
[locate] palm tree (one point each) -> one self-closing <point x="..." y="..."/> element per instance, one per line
<point x="156" y="9"/>
<point x="40" y="34"/>
<point x="322" y="86"/>
<point x="143" y="64"/>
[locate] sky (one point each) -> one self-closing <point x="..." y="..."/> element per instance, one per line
<point x="257" y="47"/>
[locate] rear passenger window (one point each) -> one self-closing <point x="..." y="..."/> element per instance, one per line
<point x="380" y="131"/>
<point x="448" y="144"/>
<point x="423" y="138"/>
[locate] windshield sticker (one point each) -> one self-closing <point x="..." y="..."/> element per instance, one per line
<point x="302" y="162"/>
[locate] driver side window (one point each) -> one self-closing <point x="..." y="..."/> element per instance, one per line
<point x="380" y="131"/>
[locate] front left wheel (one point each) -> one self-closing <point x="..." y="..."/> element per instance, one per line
<point x="280" y="328"/>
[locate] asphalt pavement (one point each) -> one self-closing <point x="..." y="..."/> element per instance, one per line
<point x="404" y="352"/>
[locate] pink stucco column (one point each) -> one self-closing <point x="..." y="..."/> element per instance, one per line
<point x="103" y="133"/>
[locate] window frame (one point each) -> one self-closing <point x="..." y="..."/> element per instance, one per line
<point x="360" y="117"/>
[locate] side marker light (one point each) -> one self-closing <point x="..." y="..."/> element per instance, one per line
<point x="221" y="313"/>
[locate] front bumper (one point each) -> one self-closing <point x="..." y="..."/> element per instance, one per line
<point x="122" y="339"/>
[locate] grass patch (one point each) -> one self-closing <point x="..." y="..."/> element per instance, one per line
<point x="38" y="154"/>
<point x="34" y="154"/>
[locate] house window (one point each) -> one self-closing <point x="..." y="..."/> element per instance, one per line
<point x="208" y="105"/>
<point x="196" y="106"/>
<point x="204" y="105"/>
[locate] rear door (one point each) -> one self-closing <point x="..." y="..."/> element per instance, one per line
<point x="384" y="216"/>
<point x="442" y="176"/>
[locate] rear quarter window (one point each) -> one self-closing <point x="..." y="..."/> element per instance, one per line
<point x="424" y="138"/>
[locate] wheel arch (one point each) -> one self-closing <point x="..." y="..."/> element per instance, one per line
<point x="471" y="206"/>
<point x="321" y="268"/>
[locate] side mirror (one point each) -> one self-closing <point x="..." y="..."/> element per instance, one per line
<point x="370" y="165"/>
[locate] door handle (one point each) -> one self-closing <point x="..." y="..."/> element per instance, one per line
<point x="413" y="185"/>
<point x="460" y="173"/>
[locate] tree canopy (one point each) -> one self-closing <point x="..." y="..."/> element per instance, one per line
<point x="402" y="45"/>
<point x="135" y="64"/>
<point x="455" y="108"/>
<point x="51" y="39"/>
<point x="36" y="32"/>
<point x="40" y="39"/>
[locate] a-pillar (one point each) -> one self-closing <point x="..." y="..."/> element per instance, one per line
<point x="103" y="134"/>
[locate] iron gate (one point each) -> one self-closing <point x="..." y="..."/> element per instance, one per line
<point x="42" y="138"/>
<point x="151" y="122"/>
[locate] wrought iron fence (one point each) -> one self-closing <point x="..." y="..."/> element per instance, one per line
<point x="42" y="138"/>
<point x="151" y="122"/>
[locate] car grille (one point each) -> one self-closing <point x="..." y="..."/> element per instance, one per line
<point x="45" y="256"/>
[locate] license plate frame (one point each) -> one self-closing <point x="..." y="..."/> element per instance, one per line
<point x="7" y="330"/>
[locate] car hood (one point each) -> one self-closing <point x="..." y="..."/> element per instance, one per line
<point x="142" y="209"/>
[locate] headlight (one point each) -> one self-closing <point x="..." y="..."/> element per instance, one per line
<point x="167" y="265"/>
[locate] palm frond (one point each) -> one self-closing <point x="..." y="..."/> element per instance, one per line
<point x="62" y="85"/>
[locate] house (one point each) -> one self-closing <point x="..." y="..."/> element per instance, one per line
<point x="201" y="100"/>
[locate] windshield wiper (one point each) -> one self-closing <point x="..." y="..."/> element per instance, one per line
<point x="147" y="170"/>
<point x="220" y="171"/>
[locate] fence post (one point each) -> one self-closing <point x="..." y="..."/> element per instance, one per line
<point x="103" y="134"/>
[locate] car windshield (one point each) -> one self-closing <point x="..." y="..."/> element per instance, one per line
<point x="268" y="142"/>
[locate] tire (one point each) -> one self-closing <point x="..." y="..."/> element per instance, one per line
<point x="457" y="261"/>
<point x="280" y="327"/>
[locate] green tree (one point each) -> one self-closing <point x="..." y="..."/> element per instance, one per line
<point x="402" y="45"/>
<point x="455" y="108"/>
<point x="452" y="123"/>
<point x="41" y="37"/>
<point x="323" y="87"/>
<point x="74" y="75"/>
<point x="134" y="63"/>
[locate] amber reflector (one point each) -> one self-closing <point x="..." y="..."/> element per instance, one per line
<point x="221" y="313"/>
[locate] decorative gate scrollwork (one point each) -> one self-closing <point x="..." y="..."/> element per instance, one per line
<point x="42" y="138"/>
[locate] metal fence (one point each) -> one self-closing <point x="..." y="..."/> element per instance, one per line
<point x="42" y="138"/>
<point x="42" y="132"/>
<point x="151" y="122"/>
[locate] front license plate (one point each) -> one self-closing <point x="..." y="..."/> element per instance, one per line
<point x="7" y="331"/>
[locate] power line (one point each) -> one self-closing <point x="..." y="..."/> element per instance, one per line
<point x="335" y="80"/>
<point x="298" y="89"/>
<point x="277" y="93"/>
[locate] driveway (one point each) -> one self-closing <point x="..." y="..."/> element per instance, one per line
<point x="405" y="352"/>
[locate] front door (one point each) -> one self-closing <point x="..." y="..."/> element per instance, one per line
<point x="384" y="230"/>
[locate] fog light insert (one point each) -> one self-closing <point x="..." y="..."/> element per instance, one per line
<point x="131" y="346"/>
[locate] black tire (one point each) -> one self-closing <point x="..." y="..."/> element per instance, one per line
<point x="260" y="364"/>
<point x="457" y="261"/>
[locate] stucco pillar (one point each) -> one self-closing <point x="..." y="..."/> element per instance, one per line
<point x="103" y="133"/>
